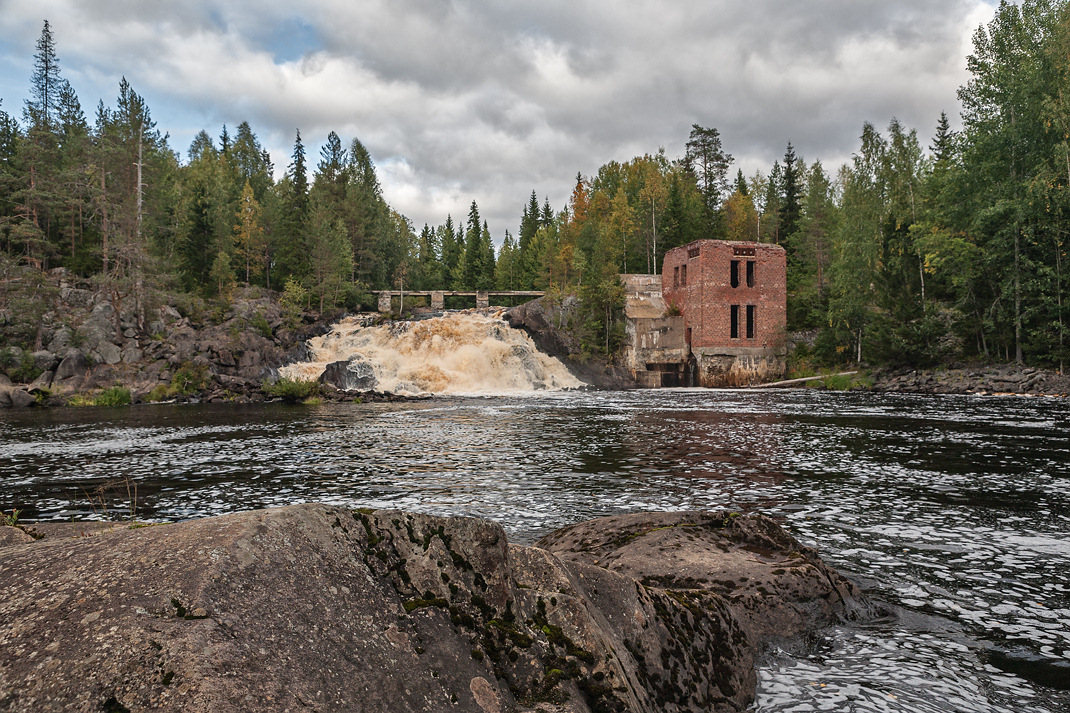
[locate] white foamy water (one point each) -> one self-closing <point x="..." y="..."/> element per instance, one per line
<point x="458" y="353"/>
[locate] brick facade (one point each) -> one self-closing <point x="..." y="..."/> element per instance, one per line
<point x="733" y="299"/>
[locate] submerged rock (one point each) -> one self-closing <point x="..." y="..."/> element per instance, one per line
<point x="313" y="607"/>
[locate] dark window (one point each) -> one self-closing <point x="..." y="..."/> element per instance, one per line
<point x="750" y="273"/>
<point x="734" y="327"/>
<point x="735" y="273"/>
<point x="751" y="309"/>
<point x="693" y="252"/>
<point x="676" y="277"/>
<point x="687" y="336"/>
<point x="683" y="276"/>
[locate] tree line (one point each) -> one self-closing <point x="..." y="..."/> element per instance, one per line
<point x="908" y="254"/>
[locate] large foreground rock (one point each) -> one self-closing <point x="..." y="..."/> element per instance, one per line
<point x="777" y="587"/>
<point x="313" y="607"/>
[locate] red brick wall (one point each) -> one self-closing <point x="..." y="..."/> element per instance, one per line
<point x="705" y="301"/>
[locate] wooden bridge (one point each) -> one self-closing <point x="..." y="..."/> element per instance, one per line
<point x="438" y="297"/>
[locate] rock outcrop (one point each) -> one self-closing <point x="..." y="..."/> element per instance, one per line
<point x="550" y="324"/>
<point x="313" y="607"/>
<point x="776" y="587"/>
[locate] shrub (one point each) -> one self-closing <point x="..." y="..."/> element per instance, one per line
<point x="115" y="396"/>
<point x="188" y="379"/>
<point x="26" y="371"/>
<point x="160" y="392"/>
<point x="260" y="324"/>
<point x="292" y="390"/>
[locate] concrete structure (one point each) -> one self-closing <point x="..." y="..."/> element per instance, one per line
<point x="438" y="297"/>
<point x="715" y="317"/>
<point x="658" y="354"/>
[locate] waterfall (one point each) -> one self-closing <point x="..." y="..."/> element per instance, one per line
<point x="468" y="352"/>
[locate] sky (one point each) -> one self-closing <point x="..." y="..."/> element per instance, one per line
<point x="462" y="100"/>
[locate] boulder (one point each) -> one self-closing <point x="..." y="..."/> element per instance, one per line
<point x="354" y="374"/>
<point x="42" y="383"/>
<point x="61" y="340"/>
<point x="72" y="371"/>
<point x="20" y="398"/>
<point x="314" y="607"/>
<point x="13" y="536"/>
<point x="776" y="587"/>
<point x="107" y="353"/>
<point x="45" y="360"/>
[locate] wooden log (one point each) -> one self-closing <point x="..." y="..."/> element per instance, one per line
<point x="789" y="382"/>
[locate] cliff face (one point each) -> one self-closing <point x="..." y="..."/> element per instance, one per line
<point x="313" y="607"/>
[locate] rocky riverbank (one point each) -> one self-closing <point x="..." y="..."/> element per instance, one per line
<point x="78" y="339"/>
<point x="996" y="379"/>
<point x="314" y="607"/>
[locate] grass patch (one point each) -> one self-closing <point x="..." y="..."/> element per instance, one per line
<point x="115" y="396"/>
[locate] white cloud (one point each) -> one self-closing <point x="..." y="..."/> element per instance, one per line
<point x="474" y="99"/>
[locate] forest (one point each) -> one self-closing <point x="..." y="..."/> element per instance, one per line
<point x="916" y="252"/>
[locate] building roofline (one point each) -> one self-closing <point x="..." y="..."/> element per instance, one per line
<point x="733" y="243"/>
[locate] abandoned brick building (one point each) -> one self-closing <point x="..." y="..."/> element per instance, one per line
<point x="720" y="318"/>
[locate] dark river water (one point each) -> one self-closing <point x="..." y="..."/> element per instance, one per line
<point x="953" y="511"/>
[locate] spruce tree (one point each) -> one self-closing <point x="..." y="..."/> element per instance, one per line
<point x="789" y="212"/>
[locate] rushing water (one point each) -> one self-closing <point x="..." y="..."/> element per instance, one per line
<point x="954" y="511"/>
<point x="472" y="351"/>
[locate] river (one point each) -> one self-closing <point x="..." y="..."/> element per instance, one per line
<point x="954" y="511"/>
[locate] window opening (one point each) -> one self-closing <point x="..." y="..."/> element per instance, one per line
<point x="735" y="273"/>
<point x="750" y="273"/>
<point x="734" y="323"/>
<point x="751" y="310"/>
<point x="683" y="276"/>
<point x="676" y="277"/>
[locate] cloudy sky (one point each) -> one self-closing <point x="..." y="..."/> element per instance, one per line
<point x="470" y="99"/>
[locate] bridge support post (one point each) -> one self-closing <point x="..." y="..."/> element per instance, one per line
<point x="438" y="300"/>
<point x="482" y="299"/>
<point x="384" y="301"/>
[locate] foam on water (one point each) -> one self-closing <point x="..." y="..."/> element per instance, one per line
<point x="457" y="353"/>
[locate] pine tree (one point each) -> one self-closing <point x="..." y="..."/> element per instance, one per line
<point x="708" y="163"/>
<point x="45" y="84"/>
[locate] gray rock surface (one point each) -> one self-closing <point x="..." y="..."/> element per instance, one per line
<point x="354" y="374"/>
<point x="13" y="536"/>
<point x="313" y="607"/>
<point x="775" y="586"/>
<point x="548" y="322"/>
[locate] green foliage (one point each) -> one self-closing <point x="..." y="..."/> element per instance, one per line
<point x="114" y="396"/>
<point x="10" y="520"/>
<point x="292" y="390"/>
<point x="25" y="371"/>
<point x="188" y="379"/>
<point x="260" y="324"/>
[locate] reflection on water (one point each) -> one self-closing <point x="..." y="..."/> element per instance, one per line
<point x="953" y="509"/>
